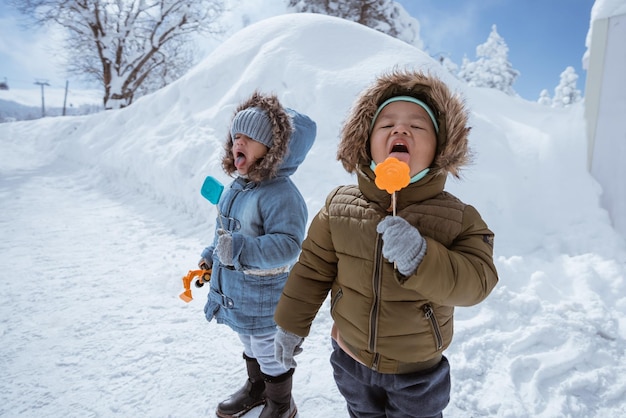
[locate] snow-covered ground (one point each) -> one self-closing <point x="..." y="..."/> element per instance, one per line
<point x="101" y="217"/>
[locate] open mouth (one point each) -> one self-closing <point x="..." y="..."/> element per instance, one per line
<point x="399" y="148"/>
<point x="240" y="159"/>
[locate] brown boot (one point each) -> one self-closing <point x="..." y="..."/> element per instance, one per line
<point x="279" y="403"/>
<point x="250" y="395"/>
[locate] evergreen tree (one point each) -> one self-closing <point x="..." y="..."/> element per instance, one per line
<point x="544" y="98"/>
<point x="492" y="68"/>
<point x="385" y="16"/>
<point x="566" y="93"/>
<point x="449" y="65"/>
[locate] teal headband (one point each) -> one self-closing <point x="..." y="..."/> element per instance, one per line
<point x="406" y="99"/>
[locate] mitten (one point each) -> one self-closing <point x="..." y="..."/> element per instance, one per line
<point x="224" y="248"/>
<point x="402" y="244"/>
<point x="286" y="346"/>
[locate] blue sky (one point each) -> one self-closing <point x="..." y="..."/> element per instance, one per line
<point x="543" y="36"/>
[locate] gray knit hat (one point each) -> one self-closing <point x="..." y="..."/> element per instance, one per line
<point x="255" y="123"/>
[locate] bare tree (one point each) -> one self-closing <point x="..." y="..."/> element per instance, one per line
<point x="132" y="47"/>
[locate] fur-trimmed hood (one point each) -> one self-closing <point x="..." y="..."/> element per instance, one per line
<point x="450" y="111"/>
<point x="293" y="135"/>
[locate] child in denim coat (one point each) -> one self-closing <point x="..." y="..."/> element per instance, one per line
<point x="260" y="227"/>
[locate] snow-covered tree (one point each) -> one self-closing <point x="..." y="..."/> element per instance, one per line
<point x="566" y="93"/>
<point x="544" y="98"/>
<point x="492" y="68"/>
<point x="449" y="65"/>
<point x="385" y="16"/>
<point x="131" y="47"/>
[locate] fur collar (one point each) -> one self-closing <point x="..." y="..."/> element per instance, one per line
<point x="450" y="112"/>
<point x="266" y="167"/>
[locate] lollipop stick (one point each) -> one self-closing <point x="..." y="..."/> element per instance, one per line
<point x="393" y="209"/>
<point x="392" y="175"/>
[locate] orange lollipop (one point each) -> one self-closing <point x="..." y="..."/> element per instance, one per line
<point x="392" y="175"/>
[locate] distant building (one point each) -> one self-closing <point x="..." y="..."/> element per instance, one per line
<point x="4" y="85"/>
<point x="605" y="110"/>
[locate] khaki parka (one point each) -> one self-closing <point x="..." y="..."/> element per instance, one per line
<point x="388" y="321"/>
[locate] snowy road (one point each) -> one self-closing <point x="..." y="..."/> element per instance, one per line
<point x="97" y="329"/>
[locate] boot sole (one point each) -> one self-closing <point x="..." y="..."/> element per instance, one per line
<point x="238" y="413"/>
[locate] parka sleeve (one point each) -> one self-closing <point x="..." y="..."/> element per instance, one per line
<point x="462" y="274"/>
<point x="284" y="215"/>
<point x="310" y="279"/>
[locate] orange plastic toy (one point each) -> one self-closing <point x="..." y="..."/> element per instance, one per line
<point x="392" y="175"/>
<point x="203" y="277"/>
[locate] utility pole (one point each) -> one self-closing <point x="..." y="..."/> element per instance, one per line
<point x="67" y="82"/>
<point x="43" y="105"/>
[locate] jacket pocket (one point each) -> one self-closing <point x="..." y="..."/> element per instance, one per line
<point x="429" y="313"/>
<point x="335" y="299"/>
<point x="211" y="307"/>
<point x="259" y="295"/>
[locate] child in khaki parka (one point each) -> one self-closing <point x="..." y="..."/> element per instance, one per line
<point x="394" y="279"/>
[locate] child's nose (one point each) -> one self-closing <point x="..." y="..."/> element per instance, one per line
<point x="400" y="128"/>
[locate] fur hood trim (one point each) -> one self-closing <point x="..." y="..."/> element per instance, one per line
<point x="267" y="167"/>
<point x="450" y="111"/>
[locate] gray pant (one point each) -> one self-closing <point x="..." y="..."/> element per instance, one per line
<point x="370" y="394"/>
<point x="261" y="347"/>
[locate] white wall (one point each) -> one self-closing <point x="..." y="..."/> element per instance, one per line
<point x="605" y="110"/>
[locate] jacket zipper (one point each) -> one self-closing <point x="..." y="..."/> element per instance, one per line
<point x="430" y="315"/>
<point x="376" y="288"/>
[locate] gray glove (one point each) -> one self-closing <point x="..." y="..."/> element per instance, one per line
<point x="205" y="264"/>
<point x="224" y="248"/>
<point x="402" y="244"/>
<point x="286" y="346"/>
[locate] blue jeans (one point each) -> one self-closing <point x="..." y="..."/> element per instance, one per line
<point x="261" y="347"/>
<point x="370" y="394"/>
